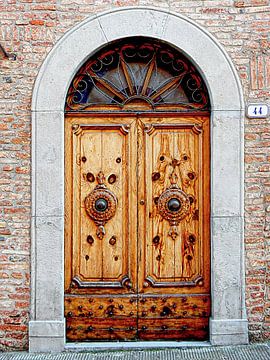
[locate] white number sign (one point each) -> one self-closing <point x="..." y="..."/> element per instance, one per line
<point x="257" y="110"/>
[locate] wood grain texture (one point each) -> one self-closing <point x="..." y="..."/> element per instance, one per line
<point x="149" y="276"/>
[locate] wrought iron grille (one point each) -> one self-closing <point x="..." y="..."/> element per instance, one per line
<point x="137" y="70"/>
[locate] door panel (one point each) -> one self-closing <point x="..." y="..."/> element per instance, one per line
<point x="174" y="228"/>
<point x="128" y="276"/>
<point x="102" y="212"/>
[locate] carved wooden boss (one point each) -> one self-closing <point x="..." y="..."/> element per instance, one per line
<point x="137" y="164"/>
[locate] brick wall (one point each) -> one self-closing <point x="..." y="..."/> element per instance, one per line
<point x="30" y="28"/>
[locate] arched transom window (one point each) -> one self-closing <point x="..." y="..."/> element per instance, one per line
<point x="137" y="70"/>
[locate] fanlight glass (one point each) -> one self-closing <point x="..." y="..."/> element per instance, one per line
<point x="137" y="69"/>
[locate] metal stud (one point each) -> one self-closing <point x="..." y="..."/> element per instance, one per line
<point x="155" y="176"/>
<point x="90" y="239"/>
<point x="156" y="240"/>
<point x="100" y="307"/>
<point x="144" y="313"/>
<point x="191" y="175"/>
<point x="144" y="328"/>
<point x="121" y="307"/>
<point x="90" y="177"/>
<point x="112" y="179"/>
<point x="112" y="240"/>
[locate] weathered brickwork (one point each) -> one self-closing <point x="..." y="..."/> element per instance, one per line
<point x="29" y="28"/>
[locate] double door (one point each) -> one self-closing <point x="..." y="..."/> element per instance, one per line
<point x="137" y="242"/>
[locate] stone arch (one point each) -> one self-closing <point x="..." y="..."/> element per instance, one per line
<point x="228" y="324"/>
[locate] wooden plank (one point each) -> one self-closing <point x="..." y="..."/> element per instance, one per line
<point x="85" y="306"/>
<point x="174" y="306"/>
<point x="99" y="329"/>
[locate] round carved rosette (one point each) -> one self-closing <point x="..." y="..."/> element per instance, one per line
<point x="100" y="205"/>
<point x="173" y="205"/>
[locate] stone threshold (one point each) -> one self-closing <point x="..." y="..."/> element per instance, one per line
<point x="134" y="345"/>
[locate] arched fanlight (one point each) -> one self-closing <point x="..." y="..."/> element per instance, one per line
<point x="138" y="69"/>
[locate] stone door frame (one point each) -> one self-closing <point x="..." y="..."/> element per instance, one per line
<point x="228" y="323"/>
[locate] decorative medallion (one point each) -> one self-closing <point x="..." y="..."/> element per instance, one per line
<point x="173" y="205"/>
<point x="100" y="205"/>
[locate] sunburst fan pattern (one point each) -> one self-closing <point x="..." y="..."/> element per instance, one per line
<point x="137" y="69"/>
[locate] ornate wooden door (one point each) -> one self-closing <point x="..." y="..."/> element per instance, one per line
<point x="137" y="227"/>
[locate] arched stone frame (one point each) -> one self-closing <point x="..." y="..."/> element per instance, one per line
<point x="228" y="323"/>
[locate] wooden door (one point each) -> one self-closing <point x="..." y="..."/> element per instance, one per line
<point x="137" y="243"/>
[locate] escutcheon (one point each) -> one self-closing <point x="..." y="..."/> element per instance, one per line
<point x="173" y="205"/>
<point x="100" y="205"/>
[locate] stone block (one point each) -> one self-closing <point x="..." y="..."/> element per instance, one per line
<point x="133" y="22"/>
<point x="227" y="268"/>
<point x="226" y="164"/>
<point x="228" y="332"/>
<point x="49" y="271"/>
<point x="48" y="165"/>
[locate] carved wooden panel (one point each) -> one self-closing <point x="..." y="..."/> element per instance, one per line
<point x="137" y="227"/>
<point x="99" y="160"/>
<point x="97" y="317"/>
<point x="175" y="216"/>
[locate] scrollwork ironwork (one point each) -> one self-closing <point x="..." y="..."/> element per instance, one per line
<point x="139" y="69"/>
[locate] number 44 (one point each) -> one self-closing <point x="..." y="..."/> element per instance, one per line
<point x="258" y="110"/>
